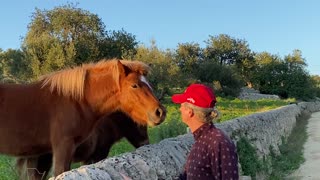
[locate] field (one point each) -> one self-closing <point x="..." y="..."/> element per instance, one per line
<point x="172" y="127"/>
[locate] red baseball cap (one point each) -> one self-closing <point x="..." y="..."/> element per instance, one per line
<point x="198" y="95"/>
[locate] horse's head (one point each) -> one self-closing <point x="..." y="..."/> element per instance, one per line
<point x="136" y="96"/>
<point x="140" y="138"/>
<point x="136" y="134"/>
<point x="127" y="91"/>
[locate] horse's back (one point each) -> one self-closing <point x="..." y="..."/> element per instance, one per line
<point x="23" y="119"/>
<point x="20" y="101"/>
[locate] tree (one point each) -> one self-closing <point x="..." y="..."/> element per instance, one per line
<point x="188" y="57"/>
<point x="316" y="82"/>
<point x="263" y="72"/>
<point x="63" y="36"/>
<point x="119" y="44"/>
<point x="265" y="58"/>
<point x="224" y="79"/>
<point x="295" y="60"/>
<point x="226" y="50"/>
<point x="165" y="73"/>
<point x="14" y="64"/>
<point x="316" y="79"/>
<point x="286" y="78"/>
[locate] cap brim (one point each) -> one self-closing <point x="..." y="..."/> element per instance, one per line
<point x="178" y="98"/>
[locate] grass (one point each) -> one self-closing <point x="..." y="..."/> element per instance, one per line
<point x="277" y="166"/>
<point x="250" y="162"/>
<point x="291" y="151"/>
<point x="229" y="109"/>
<point x="7" y="168"/>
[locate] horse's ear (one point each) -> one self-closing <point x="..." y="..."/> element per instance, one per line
<point x="122" y="69"/>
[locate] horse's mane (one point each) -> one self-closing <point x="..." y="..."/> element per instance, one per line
<point x="71" y="82"/>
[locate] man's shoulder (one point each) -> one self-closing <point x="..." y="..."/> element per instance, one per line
<point x="216" y="132"/>
<point x="219" y="136"/>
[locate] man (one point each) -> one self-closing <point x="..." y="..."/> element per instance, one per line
<point x="213" y="155"/>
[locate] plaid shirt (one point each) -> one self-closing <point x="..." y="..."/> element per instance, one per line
<point x="213" y="156"/>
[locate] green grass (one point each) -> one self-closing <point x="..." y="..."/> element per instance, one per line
<point x="231" y="109"/>
<point x="171" y="127"/>
<point x="7" y="168"/>
<point x="277" y="166"/>
<point x="250" y="162"/>
<point x="291" y="151"/>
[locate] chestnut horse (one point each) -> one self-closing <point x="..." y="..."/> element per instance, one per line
<point x="57" y="113"/>
<point x="108" y="131"/>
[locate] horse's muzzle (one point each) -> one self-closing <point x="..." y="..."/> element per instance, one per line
<point x="159" y="116"/>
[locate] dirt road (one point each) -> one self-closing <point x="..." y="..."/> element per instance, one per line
<point x="310" y="169"/>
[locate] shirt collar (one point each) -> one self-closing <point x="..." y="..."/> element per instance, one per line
<point x="202" y="130"/>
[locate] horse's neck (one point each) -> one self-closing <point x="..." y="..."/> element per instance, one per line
<point x="103" y="101"/>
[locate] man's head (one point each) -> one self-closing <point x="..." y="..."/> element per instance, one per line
<point x="197" y="101"/>
<point x="197" y="94"/>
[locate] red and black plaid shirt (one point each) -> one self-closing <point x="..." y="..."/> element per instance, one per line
<point x="213" y="156"/>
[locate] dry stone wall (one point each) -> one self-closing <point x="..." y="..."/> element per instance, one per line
<point x="252" y="94"/>
<point x="165" y="160"/>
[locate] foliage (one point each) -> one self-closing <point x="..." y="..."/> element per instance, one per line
<point x="250" y="162"/>
<point x="63" y="36"/>
<point x="284" y="78"/>
<point x="316" y="82"/>
<point x="227" y="50"/>
<point x="188" y="58"/>
<point x="265" y="58"/>
<point x="291" y="150"/>
<point x="224" y="49"/>
<point x="225" y="80"/>
<point x="119" y="44"/>
<point x="164" y="74"/>
<point x="316" y="79"/>
<point x="13" y="65"/>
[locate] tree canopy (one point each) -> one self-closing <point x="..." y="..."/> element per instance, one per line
<point x="63" y="36"/>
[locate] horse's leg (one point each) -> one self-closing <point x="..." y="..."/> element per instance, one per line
<point x="32" y="172"/>
<point x="37" y="168"/>
<point x="27" y="168"/>
<point x="44" y="165"/>
<point x="20" y="162"/>
<point x="63" y="152"/>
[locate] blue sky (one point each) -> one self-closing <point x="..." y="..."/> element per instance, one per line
<point x="275" y="26"/>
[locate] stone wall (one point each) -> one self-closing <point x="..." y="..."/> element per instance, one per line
<point x="165" y="160"/>
<point x="252" y="94"/>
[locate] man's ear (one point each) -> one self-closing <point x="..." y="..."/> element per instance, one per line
<point x="190" y="112"/>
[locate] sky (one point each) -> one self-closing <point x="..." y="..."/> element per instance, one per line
<point x="274" y="26"/>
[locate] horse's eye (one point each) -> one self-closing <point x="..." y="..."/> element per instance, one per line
<point x="135" y="86"/>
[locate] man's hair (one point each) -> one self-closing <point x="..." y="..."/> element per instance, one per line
<point x="204" y="114"/>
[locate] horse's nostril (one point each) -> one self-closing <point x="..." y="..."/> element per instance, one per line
<point x="159" y="112"/>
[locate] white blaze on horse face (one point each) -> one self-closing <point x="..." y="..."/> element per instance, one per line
<point x="144" y="79"/>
